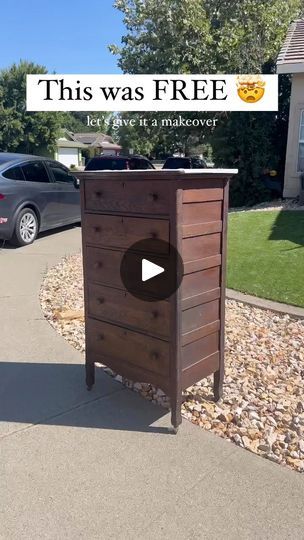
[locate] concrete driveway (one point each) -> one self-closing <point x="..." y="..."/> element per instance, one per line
<point x="102" y="465"/>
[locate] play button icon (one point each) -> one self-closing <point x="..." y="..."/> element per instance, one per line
<point x="151" y="270"/>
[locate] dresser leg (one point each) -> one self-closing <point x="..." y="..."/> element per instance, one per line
<point x="218" y="385"/>
<point x="176" y="415"/>
<point x="90" y="375"/>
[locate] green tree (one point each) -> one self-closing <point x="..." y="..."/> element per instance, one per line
<point x="76" y="121"/>
<point x="216" y="36"/>
<point x="22" y="131"/>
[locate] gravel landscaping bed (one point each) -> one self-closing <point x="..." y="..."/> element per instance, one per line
<point x="263" y="405"/>
<point x="277" y="204"/>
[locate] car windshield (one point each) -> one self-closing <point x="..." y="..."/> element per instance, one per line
<point x="198" y="163"/>
<point x="100" y="164"/>
<point x="177" y="163"/>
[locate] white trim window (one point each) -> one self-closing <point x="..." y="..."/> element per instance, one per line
<point x="301" y="144"/>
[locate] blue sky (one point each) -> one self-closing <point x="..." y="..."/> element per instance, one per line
<point x="67" y="36"/>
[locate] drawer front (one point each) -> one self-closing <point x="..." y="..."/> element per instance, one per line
<point x="124" y="345"/>
<point x="103" y="267"/>
<point x="136" y="197"/>
<point x="122" y="232"/>
<point x="123" y="308"/>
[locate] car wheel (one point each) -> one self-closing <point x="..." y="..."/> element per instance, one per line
<point x="26" y="228"/>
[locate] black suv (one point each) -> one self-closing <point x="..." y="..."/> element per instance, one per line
<point x="185" y="163"/>
<point x="118" y="163"/>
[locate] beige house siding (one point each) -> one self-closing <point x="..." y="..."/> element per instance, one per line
<point x="292" y="175"/>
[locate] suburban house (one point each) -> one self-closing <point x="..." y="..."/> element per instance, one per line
<point x="291" y="61"/>
<point x="75" y="148"/>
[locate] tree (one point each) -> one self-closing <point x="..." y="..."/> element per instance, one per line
<point x="22" y="131"/>
<point x="76" y="121"/>
<point x="216" y="36"/>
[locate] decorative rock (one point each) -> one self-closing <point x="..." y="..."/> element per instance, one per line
<point x="262" y="407"/>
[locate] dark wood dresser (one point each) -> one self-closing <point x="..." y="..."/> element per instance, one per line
<point x="169" y="343"/>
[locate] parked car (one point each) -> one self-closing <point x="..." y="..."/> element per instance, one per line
<point x="36" y="194"/>
<point x="118" y="163"/>
<point x="185" y="163"/>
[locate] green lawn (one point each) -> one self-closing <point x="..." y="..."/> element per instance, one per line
<point x="266" y="255"/>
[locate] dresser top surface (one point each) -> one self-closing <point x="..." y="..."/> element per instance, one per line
<point x="158" y="174"/>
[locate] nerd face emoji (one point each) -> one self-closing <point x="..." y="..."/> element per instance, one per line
<point x="251" y="88"/>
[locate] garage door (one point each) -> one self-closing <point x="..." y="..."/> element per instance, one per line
<point x="68" y="156"/>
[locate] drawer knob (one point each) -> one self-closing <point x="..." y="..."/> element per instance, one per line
<point x="101" y="337"/>
<point x="101" y="300"/>
<point x="154" y="196"/>
<point x="97" y="229"/>
<point x="154" y="355"/>
<point x="98" y="194"/>
<point x="155" y="314"/>
<point x="98" y="264"/>
<point x="154" y="235"/>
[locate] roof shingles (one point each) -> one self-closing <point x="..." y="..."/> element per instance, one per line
<point x="291" y="57"/>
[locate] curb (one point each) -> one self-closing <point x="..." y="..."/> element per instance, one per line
<point x="262" y="303"/>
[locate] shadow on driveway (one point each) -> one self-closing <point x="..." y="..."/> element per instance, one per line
<point x="32" y="393"/>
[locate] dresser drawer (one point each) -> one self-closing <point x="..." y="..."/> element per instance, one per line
<point x="122" y="232"/>
<point x="134" y="197"/>
<point x="103" y="267"/>
<point x="110" y="341"/>
<point x="123" y="308"/>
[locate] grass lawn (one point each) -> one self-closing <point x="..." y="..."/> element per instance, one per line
<point x="266" y="255"/>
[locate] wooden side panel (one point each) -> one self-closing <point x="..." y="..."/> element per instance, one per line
<point x="202" y="248"/>
<point x="203" y="195"/>
<point x="201" y="212"/>
<point x="200" y="282"/>
<point x="200" y="315"/>
<point x="198" y="350"/>
<point x="200" y="370"/>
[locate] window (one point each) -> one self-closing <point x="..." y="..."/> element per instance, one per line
<point x="35" y="172"/>
<point x="61" y="174"/>
<point x="139" y="163"/>
<point x="102" y="164"/>
<point x="15" y="173"/>
<point x="301" y="144"/>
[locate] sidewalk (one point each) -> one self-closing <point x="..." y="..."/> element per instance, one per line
<point x="102" y="465"/>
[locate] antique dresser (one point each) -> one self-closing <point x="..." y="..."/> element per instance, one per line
<point x="169" y="342"/>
